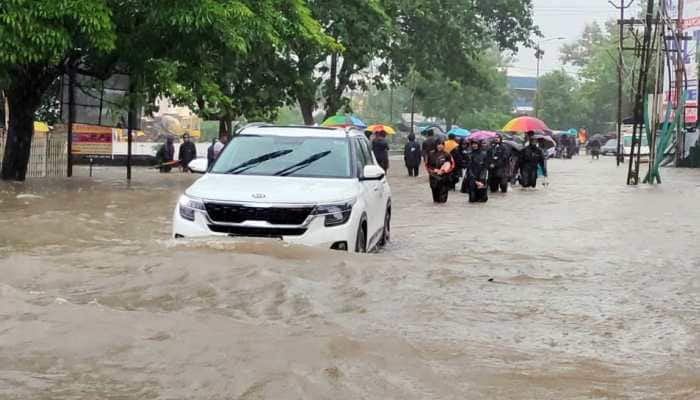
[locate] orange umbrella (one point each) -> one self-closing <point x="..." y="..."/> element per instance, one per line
<point x="525" y="124"/>
<point x="379" y="128"/>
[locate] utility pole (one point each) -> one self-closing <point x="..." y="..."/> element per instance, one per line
<point x="680" y="67"/>
<point x="539" y="53"/>
<point x="620" y="77"/>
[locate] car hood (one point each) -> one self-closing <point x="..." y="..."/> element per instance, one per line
<point x="272" y="189"/>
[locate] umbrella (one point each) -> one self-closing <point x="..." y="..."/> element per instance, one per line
<point x="482" y="135"/>
<point x="381" y="128"/>
<point x="525" y="124"/>
<point x="547" y="140"/>
<point x="513" y="138"/>
<point x="459" y="132"/>
<point x="435" y="128"/>
<point x="514" y="145"/>
<point x="598" y="138"/>
<point x="343" y="121"/>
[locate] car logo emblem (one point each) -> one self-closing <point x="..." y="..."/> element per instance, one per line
<point x="259" y="196"/>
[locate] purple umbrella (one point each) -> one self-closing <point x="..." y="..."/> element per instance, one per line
<point x="482" y="135"/>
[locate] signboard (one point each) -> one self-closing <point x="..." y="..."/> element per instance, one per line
<point x="690" y="49"/>
<point x="92" y="140"/>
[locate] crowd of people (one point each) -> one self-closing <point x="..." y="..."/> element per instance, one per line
<point x="165" y="156"/>
<point x="480" y="166"/>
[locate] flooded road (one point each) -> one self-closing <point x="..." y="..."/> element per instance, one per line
<point x="585" y="290"/>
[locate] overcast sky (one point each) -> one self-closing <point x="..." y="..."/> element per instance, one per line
<point x="560" y="18"/>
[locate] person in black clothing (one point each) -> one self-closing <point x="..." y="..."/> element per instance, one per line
<point x="530" y="158"/>
<point x="440" y="166"/>
<point x="429" y="144"/>
<point x="412" y="155"/>
<point x="476" y="176"/>
<point x="459" y="162"/>
<point x="499" y="165"/>
<point x="188" y="152"/>
<point x="211" y="157"/>
<point x="165" y="155"/>
<point x="380" y="148"/>
<point x="594" y="148"/>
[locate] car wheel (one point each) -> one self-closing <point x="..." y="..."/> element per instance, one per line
<point x="361" y="239"/>
<point x="386" y="233"/>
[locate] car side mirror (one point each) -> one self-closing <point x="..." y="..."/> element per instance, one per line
<point x="372" y="173"/>
<point x="199" y="165"/>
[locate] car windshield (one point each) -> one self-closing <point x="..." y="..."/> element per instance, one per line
<point x="286" y="156"/>
<point x="611" y="143"/>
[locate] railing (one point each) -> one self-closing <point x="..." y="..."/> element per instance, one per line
<point x="48" y="154"/>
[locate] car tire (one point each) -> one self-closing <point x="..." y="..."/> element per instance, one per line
<point x="386" y="232"/>
<point x="361" y="239"/>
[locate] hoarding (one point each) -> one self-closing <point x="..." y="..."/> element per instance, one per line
<point x="690" y="50"/>
<point x="92" y="140"/>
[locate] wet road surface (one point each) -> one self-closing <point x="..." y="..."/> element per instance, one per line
<point x="587" y="289"/>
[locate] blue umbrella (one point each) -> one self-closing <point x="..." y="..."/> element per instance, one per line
<point x="459" y="132"/>
<point x="435" y="128"/>
<point x="344" y="121"/>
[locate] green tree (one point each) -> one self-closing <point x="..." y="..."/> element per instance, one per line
<point x="449" y="36"/>
<point x="163" y="46"/>
<point x="471" y="102"/>
<point x="36" y="39"/>
<point x="361" y="31"/>
<point x="559" y="104"/>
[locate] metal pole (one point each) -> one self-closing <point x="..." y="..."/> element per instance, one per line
<point x="130" y="125"/>
<point x="680" y="129"/>
<point x="391" y="104"/>
<point x="413" y="109"/>
<point x="620" y="149"/>
<point x="538" y="56"/>
<point x="71" y="117"/>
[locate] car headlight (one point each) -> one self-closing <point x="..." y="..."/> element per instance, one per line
<point x="335" y="214"/>
<point x="189" y="206"/>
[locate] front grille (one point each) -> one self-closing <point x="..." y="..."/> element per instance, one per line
<point x="257" y="232"/>
<point x="236" y="214"/>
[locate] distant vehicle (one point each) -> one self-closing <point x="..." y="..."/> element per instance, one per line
<point x="609" y="148"/>
<point x="318" y="187"/>
<point x="627" y="145"/>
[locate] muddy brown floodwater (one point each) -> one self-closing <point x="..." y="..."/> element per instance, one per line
<point x="586" y="290"/>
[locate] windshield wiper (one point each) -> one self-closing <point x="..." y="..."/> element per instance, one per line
<point x="302" y="164"/>
<point x="246" y="165"/>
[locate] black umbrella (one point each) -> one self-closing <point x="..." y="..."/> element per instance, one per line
<point x="514" y="145"/>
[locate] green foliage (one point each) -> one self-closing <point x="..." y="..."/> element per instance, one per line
<point x="44" y="31"/>
<point x="484" y="101"/>
<point x="289" y="116"/>
<point x="590" y="100"/>
<point x="448" y="36"/>
<point x="383" y="106"/>
<point x="361" y="32"/>
<point x="558" y="101"/>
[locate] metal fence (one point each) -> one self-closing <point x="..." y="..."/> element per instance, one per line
<point x="48" y="155"/>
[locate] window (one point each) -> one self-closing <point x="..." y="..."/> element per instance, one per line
<point x="317" y="157"/>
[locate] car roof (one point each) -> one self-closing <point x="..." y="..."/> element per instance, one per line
<point x="301" y="131"/>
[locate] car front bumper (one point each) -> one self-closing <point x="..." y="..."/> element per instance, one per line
<point x="314" y="234"/>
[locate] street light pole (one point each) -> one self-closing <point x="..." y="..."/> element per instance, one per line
<point x="539" y="53"/>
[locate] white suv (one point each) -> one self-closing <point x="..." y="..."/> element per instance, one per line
<point x="311" y="186"/>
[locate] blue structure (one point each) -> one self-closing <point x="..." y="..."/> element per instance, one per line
<point x="523" y="89"/>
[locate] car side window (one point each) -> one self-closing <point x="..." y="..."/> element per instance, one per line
<point x="367" y="151"/>
<point x="360" y="157"/>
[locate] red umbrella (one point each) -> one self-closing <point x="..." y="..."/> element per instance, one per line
<point x="526" y="124"/>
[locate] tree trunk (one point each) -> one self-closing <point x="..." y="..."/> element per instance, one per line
<point x="24" y="95"/>
<point x="19" y="137"/>
<point x="224" y="126"/>
<point x="331" y="89"/>
<point x="307" y="110"/>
